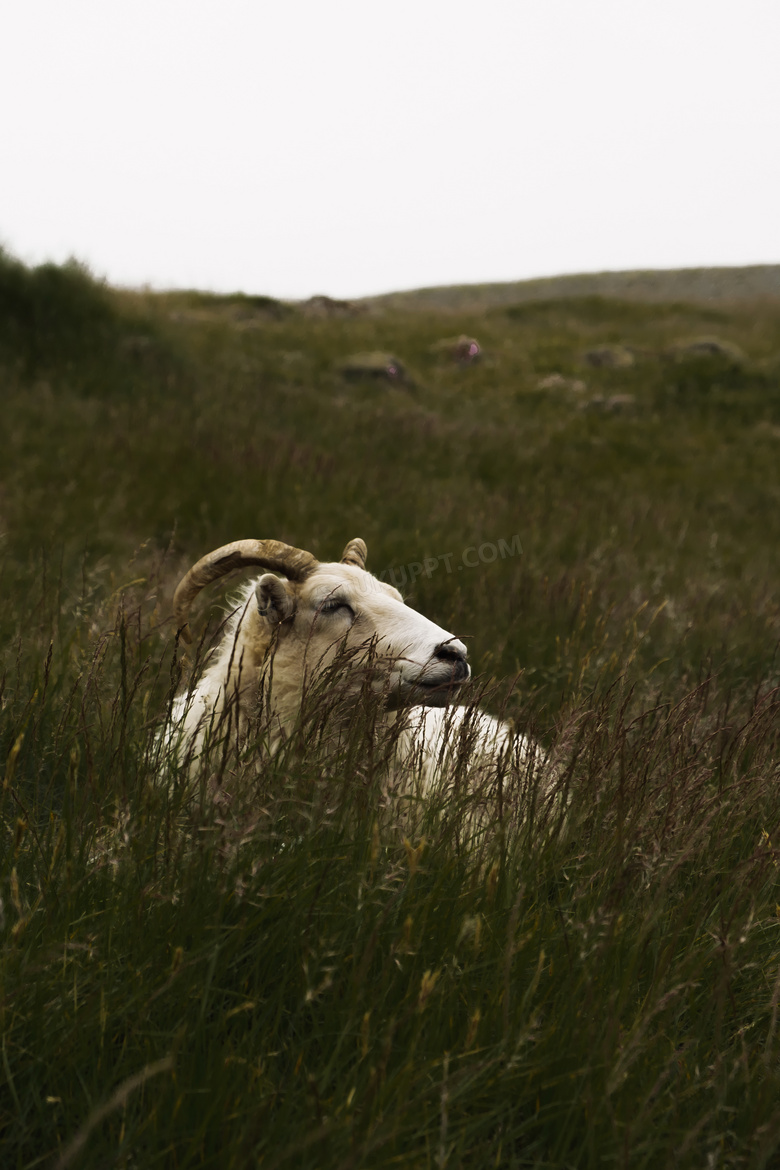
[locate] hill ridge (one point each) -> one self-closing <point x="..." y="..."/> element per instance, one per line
<point x="719" y="284"/>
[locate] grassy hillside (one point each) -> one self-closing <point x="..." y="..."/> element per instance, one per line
<point x="260" y="971"/>
<point x="702" y="285"/>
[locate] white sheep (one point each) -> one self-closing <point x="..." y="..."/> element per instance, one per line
<point x="289" y="628"/>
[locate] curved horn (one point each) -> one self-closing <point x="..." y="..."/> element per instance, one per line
<point x="355" y="553"/>
<point x="294" y="563"/>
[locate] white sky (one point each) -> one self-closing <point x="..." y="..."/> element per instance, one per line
<point x="355" y="146"/>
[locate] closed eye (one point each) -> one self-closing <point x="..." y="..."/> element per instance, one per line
<point x="338" y="607"/>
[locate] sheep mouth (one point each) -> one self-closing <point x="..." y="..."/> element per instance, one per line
<point x="430" y="688"/>
<point x="447" y="684"/>
<point x="436" y="692"/>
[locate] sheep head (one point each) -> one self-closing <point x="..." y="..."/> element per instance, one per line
<point x="307" y="611"/>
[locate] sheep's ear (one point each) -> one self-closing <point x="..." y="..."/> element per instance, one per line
<point x="274" y="599"/>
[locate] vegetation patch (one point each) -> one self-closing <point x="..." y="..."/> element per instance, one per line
<point x="251" y="965"/>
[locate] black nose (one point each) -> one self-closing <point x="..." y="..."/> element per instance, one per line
<point x="449" y="653"/>
<point x="455" y="656"/>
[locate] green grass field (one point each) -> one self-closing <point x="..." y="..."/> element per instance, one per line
<point x="261" y="972"/>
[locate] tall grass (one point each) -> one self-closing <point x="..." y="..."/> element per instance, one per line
<point x="252" y="966"/>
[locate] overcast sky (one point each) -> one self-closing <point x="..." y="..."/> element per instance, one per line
<point x="358" y="146"/>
